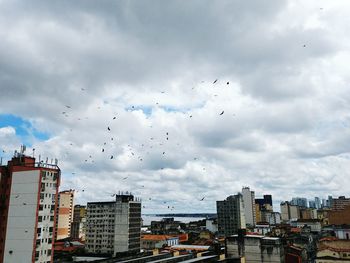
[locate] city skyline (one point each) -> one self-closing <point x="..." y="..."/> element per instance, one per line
<point x="182" y="103"/>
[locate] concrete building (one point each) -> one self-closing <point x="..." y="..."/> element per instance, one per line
<point x="339" y="217"/>
<point x="78" y="226"/>
<point x="262" y="205"/>
<point x="28" y="191"/>
<point x="249" y="206"/>
<point x="230" y="215"/>
<point x="211" y="225"/>
<point x="333" y="251"/>
<point x="114" y="227"/>
<point x="339" y="203"/>
<point x="273" y="218"/>
<point x="289" y="211"/>
<point x="158" y="241"/>
<point x="255" y="249"/>
<point x="64" y="214"/>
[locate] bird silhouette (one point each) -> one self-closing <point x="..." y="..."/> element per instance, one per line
<point x="108" y="128"/>
<point x="215" y="81"/>
<point x="227" y="83"/>
<point x="202" y="199"/>
<point x="222" y="112"/>
<point x="111" y="156"/>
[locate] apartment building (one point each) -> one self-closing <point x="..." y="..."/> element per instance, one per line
<point x="64" y="214"/>
<point x="28" y="191"/>
<point x="113" y="227"/>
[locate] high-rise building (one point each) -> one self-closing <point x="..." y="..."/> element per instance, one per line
<point x="64" y="214"/>
<point x="113" y="227"/>
<point x="289" y="211"/>
<point x="299" y="201"/>
<point x="28" y="191"/>
<point x="78" y="226"/>
<point x="249" y="206"/>
<point x="263" y="206"/>
<point x="318" y="202"/>
<point x="339" y="203"/>
<point x="312" y="204"/>
<point x="230" y="215"/>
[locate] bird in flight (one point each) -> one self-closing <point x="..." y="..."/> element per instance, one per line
<point x="108" y="128"/>
<point x="111" y="156"/>
<point x="215" y="81"/>
<point x="227" y="83"/>
<point x="222" y="112"/>
<point x="114" y="118"/>
<point x="125" y="178"/>
<point x="103" y="150"/>
<point x="202" y="199"/>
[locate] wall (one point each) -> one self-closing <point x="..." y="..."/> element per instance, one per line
<point x="22" y="217"/>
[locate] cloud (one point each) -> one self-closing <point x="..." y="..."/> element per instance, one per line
<point x="70" y="70"/>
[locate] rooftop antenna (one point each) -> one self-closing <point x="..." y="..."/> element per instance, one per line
<point x="56" y="161"/>
<point x="33" y="152"/>
<point x="1" y="161"/>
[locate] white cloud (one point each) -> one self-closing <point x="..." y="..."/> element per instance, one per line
<point x="285" y="124"/>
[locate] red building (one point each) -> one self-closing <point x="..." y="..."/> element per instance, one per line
<point x="28" y="197"/>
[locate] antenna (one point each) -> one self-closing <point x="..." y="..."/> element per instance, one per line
<point x="33" y="152"/>
<point x="1" y="161"/>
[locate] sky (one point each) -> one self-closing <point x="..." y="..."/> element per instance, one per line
<point x="200" y="97"/>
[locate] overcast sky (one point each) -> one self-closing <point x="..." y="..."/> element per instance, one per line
<point x="276" y="119"/>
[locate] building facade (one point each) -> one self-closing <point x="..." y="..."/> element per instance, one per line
<point x="78" y="226"/>
<point x="340" y="203"/>
<point x="113" y="227"/>
<point x="255" y="248"/>
<point x="289" y="211"/>
<point x="230" y="215"/>
<point x="27" y="207"/>
<point x="64" y="214"/>
<point x="249" y="206"/>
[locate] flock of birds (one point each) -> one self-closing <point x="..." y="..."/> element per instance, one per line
<point x="109" y="130"/>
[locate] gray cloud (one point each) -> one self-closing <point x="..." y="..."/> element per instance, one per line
<point x="152" y="66"/>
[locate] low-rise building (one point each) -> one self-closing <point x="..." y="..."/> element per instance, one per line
<point x="333" y="251"/>
<point x="255" y="249"/>
<point x="158" y="241"/>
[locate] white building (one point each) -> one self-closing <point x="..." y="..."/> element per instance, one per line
<point x="29" y="212"/>
<point x="115" y="226"/>
<point x="249" y="206"/>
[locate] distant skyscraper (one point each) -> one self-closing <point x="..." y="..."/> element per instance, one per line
<point x="27" y="208"/>
<point x="113" y="227"/>
<point x="317" y="202"/>
<point x="299" y="201"/>
<point x="230" y="215"/>
<point x="312" y="204"/>
<point x="64" y="214"/>
<point x="249" y="206"/>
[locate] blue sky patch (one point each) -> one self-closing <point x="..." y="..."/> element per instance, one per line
<point x="24" y="129"/>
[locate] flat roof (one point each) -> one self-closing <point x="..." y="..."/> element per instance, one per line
<point x="190" y="247"/>
<point x="199" y="259"/>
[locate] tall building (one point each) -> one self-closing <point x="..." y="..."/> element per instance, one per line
<point x="28" y="191"/>
<point x="299" y="201"/>
<point x="230" y="215"/>
<point x="78" y="226"/>
<point x="289" y="211"/>
<point x="312" y="204"/>
<point x="115" y="226"/>
<point x="339" y="203"/>
<point x="263" y="206"/>
<point x="64" y="214"/>
<point x="249" y="206"/>
<point x="318" y="203"/>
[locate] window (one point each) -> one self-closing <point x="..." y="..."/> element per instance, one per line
<point x="40" y="218"/>
<point x="40" y="207"/>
